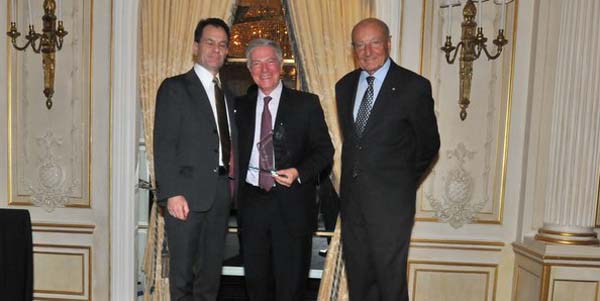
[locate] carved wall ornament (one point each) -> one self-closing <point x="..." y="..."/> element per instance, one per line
<point x="457" y="208"/>
<point x="52" y="188"/>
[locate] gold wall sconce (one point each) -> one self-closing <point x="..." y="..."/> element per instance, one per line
<point x="48" y="42"/>
<point x="472" y="43"/>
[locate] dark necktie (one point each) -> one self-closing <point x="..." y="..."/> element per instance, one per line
<point x="365" y="108"/>
<point x="222" y="123"/>
<point x="265" y="148"/>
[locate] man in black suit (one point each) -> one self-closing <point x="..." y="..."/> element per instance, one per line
<point x="194" y="135"/>
<point x="284" y="146"/>
<point x="390" y="139"/>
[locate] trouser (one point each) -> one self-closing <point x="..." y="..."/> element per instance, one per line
<point x="276" y="263"/>
<point x="196" y="248"/>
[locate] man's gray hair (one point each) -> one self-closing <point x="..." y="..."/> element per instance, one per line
<point x="263" y="42"/>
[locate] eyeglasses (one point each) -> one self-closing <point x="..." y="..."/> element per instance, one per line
<point x="374" y="44"/>
<point x="222" y="46"/>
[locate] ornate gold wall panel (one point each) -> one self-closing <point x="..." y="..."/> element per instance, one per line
<point x="541" y="274"/>
<point x="48" y="153"/>
<point x="527" y="284"/>
<point x="467" y="184"/>
<point x="436" y="280"/>
<point x="598" y="203"/>
<point x="575" y="290"/>
<point x="62" y="272"/>
<point x="49" y="150"/>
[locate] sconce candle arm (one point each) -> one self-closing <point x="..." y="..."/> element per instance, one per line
<point x="451" y="50"/>
<point x="492" y="57"/>
<point x="481" y="44"/>
<point x="31" y="37"/>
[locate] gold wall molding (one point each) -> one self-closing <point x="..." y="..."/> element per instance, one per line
<point x="453" y="263"/>
<point x="457" y="272"/>
<point x="545" y="282"/>
<point x="540" y="257"/>
<point x="550" y="269"/>
<point x="598" y="202"/>
<point x="79" y="292"/>
<point x="489" y="270"/>
<point x="453" y="244"/>
<point x="84" y="252"/>
<point x="488" y="167"/>
<point x="568" y="238"/>
<point x="568" y="234"/>
<point x="36" y="176"/>
<point x="460" y="242"/>
<point x="62" y="228"/>
<point x="596" y="285"/>
<point x="518" y="276"/>
<point x="567" y="242"/>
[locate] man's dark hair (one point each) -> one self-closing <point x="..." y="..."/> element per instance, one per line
<point x="216" y="22"/>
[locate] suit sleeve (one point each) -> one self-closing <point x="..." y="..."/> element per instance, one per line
<point x="426" y="131"/>
<point x="167" y="123"/>
<point x="340" y="108"/>
<point x="320" y="149"/>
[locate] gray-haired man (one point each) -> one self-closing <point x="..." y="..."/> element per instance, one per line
<point x="283" y="145"/>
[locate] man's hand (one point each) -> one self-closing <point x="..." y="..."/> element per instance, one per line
<point x="178" y="207"/>
<point x="286" y="177"/>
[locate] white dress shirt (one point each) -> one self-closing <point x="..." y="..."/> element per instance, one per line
<point x="206" y="78"/>
<point x="252" y="176"/>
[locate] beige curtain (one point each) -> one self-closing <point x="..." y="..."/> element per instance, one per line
<point x="165" y="48"/>
<point x="321" y="31"/>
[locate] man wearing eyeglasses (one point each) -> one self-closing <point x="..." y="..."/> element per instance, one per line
<point x="390" y="138"/>
<point x="194" y="143"/>
<point x="284" y="146"/>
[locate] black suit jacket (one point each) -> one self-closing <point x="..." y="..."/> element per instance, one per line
<point x="398" y="144"/>
<point x="186" y="141"/>
<point x="300" y="140"/>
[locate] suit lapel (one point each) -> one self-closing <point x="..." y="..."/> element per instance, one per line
<point x="279" y="130"/>
<point x="247" y="124"/>
<point x="349" y="93"/>
<point x="283" y="110"/>
<point x="231" y="116"/>
<point x="199" y="95"/>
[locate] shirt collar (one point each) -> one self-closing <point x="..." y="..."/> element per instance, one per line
<point x="275" y="94"/>
<point x="379" y="74"/>
<point x="204" y="75"/>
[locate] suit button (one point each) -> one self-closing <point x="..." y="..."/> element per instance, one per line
<point x="215" y="170"/>
<point x="355" y="174"/>
<point x="359" y="147"/>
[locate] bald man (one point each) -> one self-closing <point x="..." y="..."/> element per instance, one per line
<point x="390" y="139"/>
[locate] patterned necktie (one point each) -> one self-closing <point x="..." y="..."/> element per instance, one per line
<point x="365" y="108"/>
<point x="222" y="123"/>
<point x="265" y="148"/>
